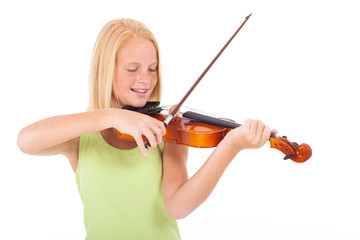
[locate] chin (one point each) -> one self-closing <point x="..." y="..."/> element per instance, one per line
<point x="138" y="103"/>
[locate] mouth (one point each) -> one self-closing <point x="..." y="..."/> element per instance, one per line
<point x="140" y="91"/>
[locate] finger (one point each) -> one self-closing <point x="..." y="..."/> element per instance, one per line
<point x="158" y="135"/>
<point x="156" y="124"/>
<point x="151" y="138"/>
<point x="266" y="134"/>
<point x="163" y="128"/>
<point x="275" y="131"/>
<point x="247" y="123"/>
<point x="158" y="132"/>
<point x="254" y="126"/>
<point x="139" y="141"/>
<point x="260" y="128"/>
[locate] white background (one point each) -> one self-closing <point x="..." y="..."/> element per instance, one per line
<point x="294" y="65"/>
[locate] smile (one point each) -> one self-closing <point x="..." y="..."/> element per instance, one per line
<point x="139" y="90"/>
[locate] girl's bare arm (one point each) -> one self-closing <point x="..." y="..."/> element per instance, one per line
<point x="60" y="134"/>
<point x="52" y="135"/>
<point x="183" y="195"/>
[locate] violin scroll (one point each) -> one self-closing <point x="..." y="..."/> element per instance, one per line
<point x="297" y="153"/>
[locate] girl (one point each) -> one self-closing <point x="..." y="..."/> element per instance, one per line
<point x="129" y="192"/>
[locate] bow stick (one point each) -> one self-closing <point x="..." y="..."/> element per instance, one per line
<point x="175" y="110"/>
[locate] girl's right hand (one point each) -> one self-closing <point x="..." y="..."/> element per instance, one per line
<point x="138" y="125"/>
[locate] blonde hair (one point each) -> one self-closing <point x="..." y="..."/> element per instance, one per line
<point x="109" y="41"/>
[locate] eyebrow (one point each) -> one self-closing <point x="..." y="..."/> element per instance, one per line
<point x="137" y="63"/>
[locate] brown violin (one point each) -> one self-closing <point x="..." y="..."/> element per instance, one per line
<point x="198" y="130"/>
<point x="202" y="131"/>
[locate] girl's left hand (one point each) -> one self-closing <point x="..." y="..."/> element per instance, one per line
<point x="252" y="134"/>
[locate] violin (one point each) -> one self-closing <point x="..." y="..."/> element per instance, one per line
<point x="198" y="130"/>
<point x="202" y="131"/>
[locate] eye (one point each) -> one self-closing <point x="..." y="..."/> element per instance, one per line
<point x="153" y="69"/>
<point x="133" y="69"/>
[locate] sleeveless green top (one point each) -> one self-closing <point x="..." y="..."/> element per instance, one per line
<point x="121" y="191"/>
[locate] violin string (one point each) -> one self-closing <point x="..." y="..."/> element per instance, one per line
<point x="184" y="109"/>
<point x="198" y="111"/>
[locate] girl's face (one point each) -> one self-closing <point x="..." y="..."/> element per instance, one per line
<point x="136" y="72"/>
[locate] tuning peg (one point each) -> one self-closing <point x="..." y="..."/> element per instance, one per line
<point x="288" y="156"/>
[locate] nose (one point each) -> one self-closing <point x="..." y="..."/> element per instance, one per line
<point x="144" y="78"/>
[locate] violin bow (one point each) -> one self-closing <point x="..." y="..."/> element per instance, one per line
<point x="175" y="110"/>
<point x="292" y="150"/>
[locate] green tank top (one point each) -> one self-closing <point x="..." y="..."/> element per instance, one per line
<point x="121" y="191"/>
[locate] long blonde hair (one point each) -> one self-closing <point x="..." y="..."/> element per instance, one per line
<point x="108" y="43"/>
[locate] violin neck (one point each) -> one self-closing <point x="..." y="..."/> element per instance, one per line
<point x="214" y="121"/>
<point x="210" y="120"/>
